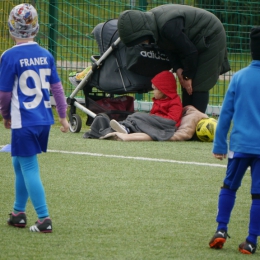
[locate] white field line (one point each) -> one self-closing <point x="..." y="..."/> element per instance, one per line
<point x="138" y="158"/>
<point x="135" y="158"/>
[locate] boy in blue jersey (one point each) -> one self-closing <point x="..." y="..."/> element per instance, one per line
<point x="240" y="106"/>
<point x="27" y="74"/>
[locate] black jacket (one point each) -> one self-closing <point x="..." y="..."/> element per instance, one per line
<point x="194" y="39"/>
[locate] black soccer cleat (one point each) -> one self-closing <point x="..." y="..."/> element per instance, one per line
<point x="17" y="220"/>
<point x="45" y="226"/>
<point x="247" y="248"/>
<point x="218" y="240"/>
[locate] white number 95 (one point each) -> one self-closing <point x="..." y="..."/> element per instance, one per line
<point x="39" y="82"/>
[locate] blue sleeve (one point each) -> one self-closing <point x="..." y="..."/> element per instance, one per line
<point x="220" y="144"/>
<point x="7" y="74"/>
<point x="54" y="74"/>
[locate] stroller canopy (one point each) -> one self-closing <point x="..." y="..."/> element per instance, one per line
<point x="113" y="76"/>
<point x="105" y="34"/>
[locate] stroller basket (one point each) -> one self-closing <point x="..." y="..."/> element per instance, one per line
<point x="116" y="108"/>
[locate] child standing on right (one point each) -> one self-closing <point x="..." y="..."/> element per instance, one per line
<point x="241" y="105"/>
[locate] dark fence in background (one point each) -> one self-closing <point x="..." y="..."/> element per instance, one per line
<point x="66" y="26"/>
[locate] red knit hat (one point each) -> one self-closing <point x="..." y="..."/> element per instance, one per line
<point x="166" y="83"/>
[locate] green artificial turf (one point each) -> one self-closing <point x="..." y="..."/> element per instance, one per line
<point x="124" y="200"/>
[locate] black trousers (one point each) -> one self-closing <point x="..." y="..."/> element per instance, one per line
<point x="199" y="99"/>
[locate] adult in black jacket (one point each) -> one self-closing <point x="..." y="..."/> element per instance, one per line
<point x="194" y="40"/>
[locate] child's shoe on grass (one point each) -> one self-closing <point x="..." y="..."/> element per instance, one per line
<point x="44" y="226"/>
<point x="247" y="248"/>
<point x="218" y="240"/>
<point x="17" y="220"/>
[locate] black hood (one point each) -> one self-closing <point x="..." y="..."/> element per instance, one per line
<point x="135" y="26"/>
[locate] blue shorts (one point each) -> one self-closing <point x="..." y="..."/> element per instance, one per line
<point x="236" y="169"/>
<point x="28" y="141"/>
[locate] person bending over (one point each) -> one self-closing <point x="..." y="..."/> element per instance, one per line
<point x="193" y="39"/>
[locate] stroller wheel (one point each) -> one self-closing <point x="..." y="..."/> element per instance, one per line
<point x="75" y="125"/>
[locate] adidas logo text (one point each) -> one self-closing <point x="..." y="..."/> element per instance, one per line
<point x="152" y="55"/>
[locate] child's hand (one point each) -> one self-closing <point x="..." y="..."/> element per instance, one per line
<point x="7" y="123"/>
<point x="65" y="125"/>
<point x="219" y="156"/>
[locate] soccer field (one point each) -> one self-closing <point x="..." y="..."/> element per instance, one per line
<point x="124" y="200"/>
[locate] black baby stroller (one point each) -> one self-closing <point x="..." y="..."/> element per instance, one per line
<point x="111" y="74"/>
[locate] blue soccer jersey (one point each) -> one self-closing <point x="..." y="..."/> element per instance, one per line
<point x="27" y="70"/>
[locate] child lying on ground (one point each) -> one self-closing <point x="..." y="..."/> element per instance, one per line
<point x="166" y="104"/>
<point x="160" y="124"/>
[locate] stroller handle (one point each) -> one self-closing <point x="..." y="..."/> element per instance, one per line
<point x="95" y="65"/>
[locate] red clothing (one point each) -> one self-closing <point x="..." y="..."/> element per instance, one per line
<point x="170" y="108"/>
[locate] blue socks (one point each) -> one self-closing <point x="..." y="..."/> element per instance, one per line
<point x="28" y="184"/>
<point x="254" y="224"/>
<point x="226" y="203"/>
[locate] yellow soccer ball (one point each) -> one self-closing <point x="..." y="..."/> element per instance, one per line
<point x="206" y="128"/>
